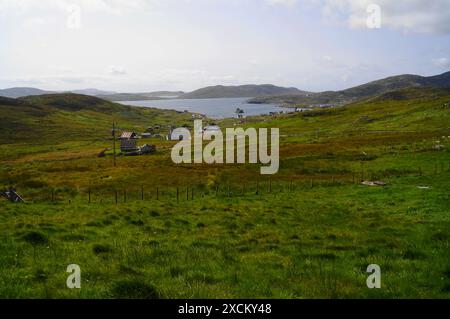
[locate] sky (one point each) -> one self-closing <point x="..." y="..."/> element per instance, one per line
<point x="143" y="46"/>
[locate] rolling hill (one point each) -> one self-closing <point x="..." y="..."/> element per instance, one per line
<point x="22" y="91"/>
<point x="92" y="92"/>
<point x="358" y="92"/>
<point x="141" y="96"/>
<point x="68" y="116"/>
<point x="250" y="90"/>
<point x="17" y="92"/>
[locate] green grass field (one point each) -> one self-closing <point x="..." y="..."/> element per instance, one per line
<point x="309" y="232"/>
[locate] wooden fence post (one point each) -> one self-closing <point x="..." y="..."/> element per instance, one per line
<point x="116" y="196"/>
<point x="257" y="187"/>
<point x="192" y="193"/>
<point x="142" y="192"/>
<point x="89" y="195"/>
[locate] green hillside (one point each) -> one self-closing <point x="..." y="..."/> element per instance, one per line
<point x="362" y="91"/>
<point x="309" y="231"/>
<point x="63" y="117"/>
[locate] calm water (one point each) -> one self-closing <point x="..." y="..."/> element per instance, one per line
<point x="213" y="108"/>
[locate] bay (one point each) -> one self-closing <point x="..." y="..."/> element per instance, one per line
<point x="217" y="108"/>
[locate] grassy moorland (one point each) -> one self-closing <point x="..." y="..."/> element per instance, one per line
<point x="309" y="232"/>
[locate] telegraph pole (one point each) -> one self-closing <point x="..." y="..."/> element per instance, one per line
<point x="114" y="142"/>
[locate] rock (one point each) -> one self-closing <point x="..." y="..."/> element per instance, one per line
<point x="373" y="183"/>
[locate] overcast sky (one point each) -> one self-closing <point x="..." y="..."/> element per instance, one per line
<point x="138" y="45"/>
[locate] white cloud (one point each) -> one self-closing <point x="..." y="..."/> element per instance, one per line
<point x="107" y="6"/>
<point x="418" y="16"/>
<point x="287" y="3"/>
<point x="441" y="62"/>
<point x="33" y="22"/>
<point x="196" y="43"/>
<point x="117" y="70"/>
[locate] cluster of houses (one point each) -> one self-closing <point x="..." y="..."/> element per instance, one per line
<point x="302" y="109"/>
<point x="129" y="140"/>
<point x="209" y="128"/>
<point x="128" y="145"/>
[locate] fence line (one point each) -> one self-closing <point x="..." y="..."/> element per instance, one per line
<point x="226" y="190"/>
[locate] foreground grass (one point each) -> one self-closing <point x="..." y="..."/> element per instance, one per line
<point x="306" y="243"/>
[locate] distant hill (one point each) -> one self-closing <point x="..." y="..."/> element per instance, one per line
<point x="141" y="96"/>
<point x="70" y="102"/>
<point x="221" y="91"/>
<point x="163" y="94"/>
<point x="265" y="93"/>
<point x="358" y="92"/>
<point x="18" y="92"/>
<point x="59" y="117"/>
<point x="22" y="91"/>
<point x="93" y="92"/>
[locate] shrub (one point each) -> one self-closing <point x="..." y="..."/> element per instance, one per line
<point x="40" y="275"/>
<point x="137" y="222"/>
<point x="154" y="213"/>
<point x="134" y="289"/>
<point x="35" y="238"/>
<point x="101" y="249"/>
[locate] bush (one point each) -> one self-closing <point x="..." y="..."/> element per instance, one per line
<point x="35" y="238"/>
<point x="134" y="289"/>
<point x="101" y="249"/>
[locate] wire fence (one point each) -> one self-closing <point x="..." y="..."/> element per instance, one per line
<point x="107" y="194"/>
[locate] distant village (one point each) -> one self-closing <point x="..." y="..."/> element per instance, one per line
<point x="129" y="140"/>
